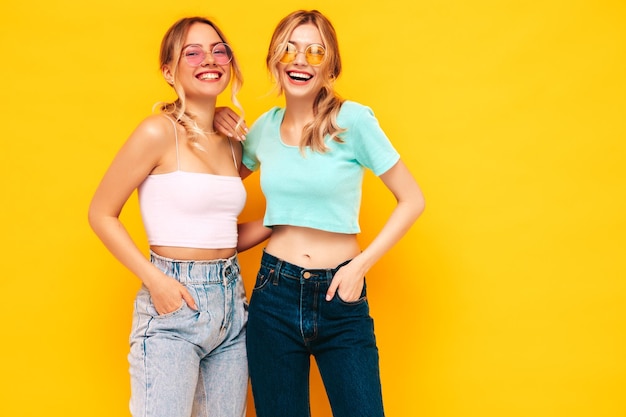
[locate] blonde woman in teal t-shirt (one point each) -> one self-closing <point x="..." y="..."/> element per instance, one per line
<point x="310" y="293"/>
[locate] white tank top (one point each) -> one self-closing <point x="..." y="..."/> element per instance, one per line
<point x="190" y="209"/>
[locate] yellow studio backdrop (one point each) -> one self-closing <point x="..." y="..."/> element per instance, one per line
<point x="507" y="298"/>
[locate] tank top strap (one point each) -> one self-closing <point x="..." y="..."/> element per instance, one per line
<point x="176" y="139"/>
<point x="232" y="150"/>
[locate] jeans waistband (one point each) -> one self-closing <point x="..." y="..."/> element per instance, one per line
<point x="214" y="271"/>
<point x="290" y="270"/>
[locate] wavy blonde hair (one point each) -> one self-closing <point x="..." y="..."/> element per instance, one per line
<point x="171" y="49"/>
<point x="327" y="102"/>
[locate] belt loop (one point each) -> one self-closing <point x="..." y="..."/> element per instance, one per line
<point x="175" y="270"/>
<point x="277" y="268"/>
<point x="225" y="271"/>
<point x="330" y="273"/>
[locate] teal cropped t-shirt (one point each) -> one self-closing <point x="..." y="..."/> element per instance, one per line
<point x="318" y="190"/>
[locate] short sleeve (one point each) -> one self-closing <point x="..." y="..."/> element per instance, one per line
<point x="372" y="147"/>
<point x="250" y="145"/>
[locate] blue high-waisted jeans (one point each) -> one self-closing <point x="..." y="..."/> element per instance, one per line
<point x="187" y="362"/>
<point x="290" y="320"/>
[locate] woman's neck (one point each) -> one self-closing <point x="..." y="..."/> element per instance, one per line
<point x="298" y="112"/>
<point x="203" y="113"/>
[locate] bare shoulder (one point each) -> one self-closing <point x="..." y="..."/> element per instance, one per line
<point x="151" y="140"/>
<point x="155" y="130"/>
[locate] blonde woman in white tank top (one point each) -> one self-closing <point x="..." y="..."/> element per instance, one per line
<point x="187" y="352"/>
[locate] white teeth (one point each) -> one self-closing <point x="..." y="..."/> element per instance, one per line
<point x="300" y="75"/>
<point x="208" y="75"/>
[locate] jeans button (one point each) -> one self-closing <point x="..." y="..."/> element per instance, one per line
<point x="306" y="275"/>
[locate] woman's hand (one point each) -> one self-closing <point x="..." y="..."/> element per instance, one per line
<point x="167" y="293"/>
<point x="347" y="283"/>
<point x="227" y="122"/>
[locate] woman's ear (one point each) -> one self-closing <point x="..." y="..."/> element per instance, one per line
<point x="167" y="74"/>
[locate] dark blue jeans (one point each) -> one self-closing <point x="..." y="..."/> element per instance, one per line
<point x="288" y="321"/>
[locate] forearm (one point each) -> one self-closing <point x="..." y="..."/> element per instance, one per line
<point x="116" y="239"/>
<point x="410" y="205"/>
<point x="251" y="234"/>
<point x="349" y="279"/>
<point x="400" y="221"/>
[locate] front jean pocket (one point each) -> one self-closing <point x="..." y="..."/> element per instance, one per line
<point x="362" y="299"/>
<point x="262" y="278"/>
<point x="152" y="310"/>
<point x="356" y="302"/>
<point x="144" y="305"/>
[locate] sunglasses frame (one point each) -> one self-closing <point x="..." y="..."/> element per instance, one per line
<point x="290" y="56"/>
<point x="229" y="53"/>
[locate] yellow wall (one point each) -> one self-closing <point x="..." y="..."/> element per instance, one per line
<point x="508" y="298"/>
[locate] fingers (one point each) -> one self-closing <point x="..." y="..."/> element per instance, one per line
<point x="332" y="289"/>
<point x="348" y="288"/>
<point x="241" y="130"/>
<point x="167" y="306"/>
<point x="226" y="122"/>
<point x="189" y="299"/>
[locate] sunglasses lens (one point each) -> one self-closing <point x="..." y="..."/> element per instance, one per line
<point x="289" y="54"/>
<point x="315" y="54"/>
<point x="194" y="55"/>
<point x="222" y="54"/>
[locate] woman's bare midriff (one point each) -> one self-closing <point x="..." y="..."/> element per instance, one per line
<point x="311" y="248"/>
<point x="192" y="254"/>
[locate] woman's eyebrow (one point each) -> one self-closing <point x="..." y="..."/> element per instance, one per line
<point x="211" y="45"/>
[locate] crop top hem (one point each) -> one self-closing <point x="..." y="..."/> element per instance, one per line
<point x="191" y="245"/>
<point x="332" y="228"/>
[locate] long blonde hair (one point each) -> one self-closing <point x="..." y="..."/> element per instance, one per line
<point x="327" y="102"/>
<point x="171" y="49"/>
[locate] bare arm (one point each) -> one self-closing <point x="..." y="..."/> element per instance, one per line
<point x="244" y="172"/>
<point x="136" y="159"/>
<point x="349" y="280"/>
<point x="251" y="234"/>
